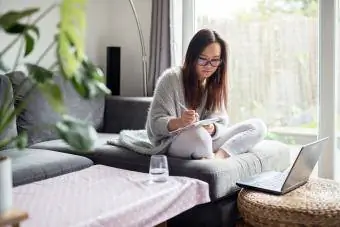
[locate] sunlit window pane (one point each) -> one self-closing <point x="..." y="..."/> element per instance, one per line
<point x="273" y="62"/>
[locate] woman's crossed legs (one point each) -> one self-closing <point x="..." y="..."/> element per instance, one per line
<point x="196" y="143"/>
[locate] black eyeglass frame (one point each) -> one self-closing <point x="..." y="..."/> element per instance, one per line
<point x="209" y="62"/>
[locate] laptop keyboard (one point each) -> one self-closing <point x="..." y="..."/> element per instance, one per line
<point x="275" y="181"/>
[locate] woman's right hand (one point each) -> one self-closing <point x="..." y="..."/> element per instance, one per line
<point x="188" y="117"/>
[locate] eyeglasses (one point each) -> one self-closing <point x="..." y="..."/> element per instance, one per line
<point x="213" y="62"/>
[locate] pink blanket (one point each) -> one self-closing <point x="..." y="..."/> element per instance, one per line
<point x="106" y="196"/>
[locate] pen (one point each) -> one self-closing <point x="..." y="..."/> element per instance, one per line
<point x="183" y="107"/>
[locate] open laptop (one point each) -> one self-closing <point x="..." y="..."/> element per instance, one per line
<point x="280" y="183"/>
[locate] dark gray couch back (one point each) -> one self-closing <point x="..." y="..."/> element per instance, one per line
<point x="6" y="94"/>
<point x="38" y="116"/>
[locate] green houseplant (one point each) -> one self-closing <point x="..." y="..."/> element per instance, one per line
<point x="71" y="61"/>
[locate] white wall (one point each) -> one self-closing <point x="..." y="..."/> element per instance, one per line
<point x="47" y="31"/>
<point x="109" y="23"/>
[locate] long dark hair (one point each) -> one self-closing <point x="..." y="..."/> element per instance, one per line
<point x="216" y="84"/>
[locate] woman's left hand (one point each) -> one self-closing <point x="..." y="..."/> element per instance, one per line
<point x="210" y="128"/>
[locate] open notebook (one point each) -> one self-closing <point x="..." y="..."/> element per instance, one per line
<point x="197" y="124"/>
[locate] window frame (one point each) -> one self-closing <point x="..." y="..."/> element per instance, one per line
<point x="328" y="73"/>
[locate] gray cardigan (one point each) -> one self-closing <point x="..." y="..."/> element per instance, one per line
<point x="169" y="92"/>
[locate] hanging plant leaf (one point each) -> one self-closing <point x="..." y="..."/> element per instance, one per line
<point x="16" y="28"/>
<point x="67" y="60"/>
<point x="54" y="96"/>
<point x="29" y="44"/>
<point x="51" y="91"/>
<point x="21" y="28"/>
<point x="71" y="37"/>
<point x="76" y="133"/>
<point x="29" y="39"/>
<point x="88" y="81"/>
<point x="21" y="140"/>
<point x="39" y="74"/>
<point x="12" y="17"/>
<point x="85" y="77"/>
<point x="5" y="106"/>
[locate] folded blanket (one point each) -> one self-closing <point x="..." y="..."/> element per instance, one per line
<point x="135" y="140"/>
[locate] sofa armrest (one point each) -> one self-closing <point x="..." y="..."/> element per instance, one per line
<point x="125" y="113"/>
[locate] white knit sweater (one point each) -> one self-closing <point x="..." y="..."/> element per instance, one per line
<point x="169" y="92"/>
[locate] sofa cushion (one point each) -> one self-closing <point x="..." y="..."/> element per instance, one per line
<point x="38" y="114"/>
<point x="220" y="174"/>
<point x="116" y="108"/>
<point x="31" y="165"/>
<point x="61" y="146"/>
<point x="6" y="92"/>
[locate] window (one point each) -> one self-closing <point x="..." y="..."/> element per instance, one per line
<point x="281" y="65"/>
<point x="328" y="111"/>
<point x="273" y="62"/>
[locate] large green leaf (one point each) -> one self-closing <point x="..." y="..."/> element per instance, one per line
<point x="12" y="17"/>
<point x="80" y="135"/>
<point x="86" y="78"/>
<point x="5" y="107"/>
<point x="39" y="74"/>
<point x="51" y="91"/>
<point x="71" y="36"/>
<point x="25" y="30"/>
<point x="16" y="28"/>
<point x="54" y="96"/>
<point x="21" y="28"/>
<point x="88" y="81"/>
<point x="21" y="140"/>
<point x="29" y="40"/>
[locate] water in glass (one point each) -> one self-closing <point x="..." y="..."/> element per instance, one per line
<point x="158" y="171"/>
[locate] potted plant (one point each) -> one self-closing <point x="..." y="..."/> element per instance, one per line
<point x="5" y="184"/>
<point x="86" y="78"/>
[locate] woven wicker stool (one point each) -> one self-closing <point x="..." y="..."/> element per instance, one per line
<point x="316" y="203"/>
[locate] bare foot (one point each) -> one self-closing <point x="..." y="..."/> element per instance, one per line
<point x="221" y="154"/>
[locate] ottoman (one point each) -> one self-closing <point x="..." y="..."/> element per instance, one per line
<point x="317" y="203"/>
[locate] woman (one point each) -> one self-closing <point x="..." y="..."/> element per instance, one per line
<point x="198" y="91"/>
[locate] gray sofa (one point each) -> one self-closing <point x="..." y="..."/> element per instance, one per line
<point x="31" y="165"/>
<point x="48" y="156"/>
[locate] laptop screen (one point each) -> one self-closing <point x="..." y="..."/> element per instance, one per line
<point x="304" y="163"/>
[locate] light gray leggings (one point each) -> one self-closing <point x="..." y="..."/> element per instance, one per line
<point x="197" y="143"/>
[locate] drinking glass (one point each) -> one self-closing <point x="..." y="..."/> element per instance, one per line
<point x="158" y="170"/>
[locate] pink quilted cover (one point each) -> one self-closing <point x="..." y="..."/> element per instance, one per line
<point x="105" y="196"/>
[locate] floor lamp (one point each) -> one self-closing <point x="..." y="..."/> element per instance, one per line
<point x="144" y="57"/>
